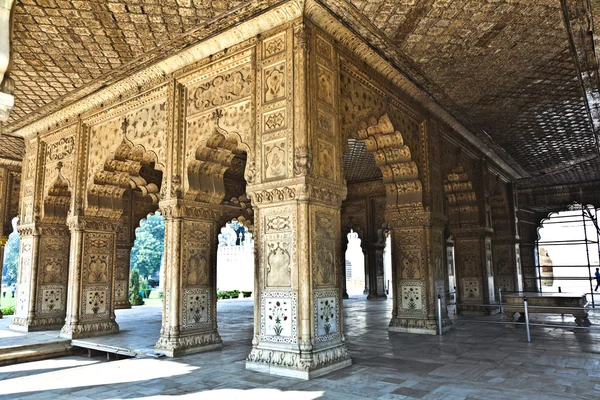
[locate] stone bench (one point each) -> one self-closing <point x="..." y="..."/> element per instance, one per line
<point x="576" y="302"/>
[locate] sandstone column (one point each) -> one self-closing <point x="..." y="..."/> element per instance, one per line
<point x="472" y="243"/>
<point x="528" y="224"/>
<point x="90" y="301"/>
<point x="505" y="242"/>
<point x="44" y="252"/>
<point x="189" y="322"/>
<point x="298" y="331"/>
<point x="418" y="270"/>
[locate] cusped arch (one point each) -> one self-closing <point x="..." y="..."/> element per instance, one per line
<point x="393" y="158"/>
<point x="57" y="200"/>
<point x="212" y="158"/>
<point x="461" y="199"/>
<point x="129" y="168"/>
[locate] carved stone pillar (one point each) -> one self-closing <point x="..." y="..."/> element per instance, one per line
<point x="298" y="331"/>
<point x="90" y="301"/>
<point x="418" y="271"/>
<point x="189" y="322"/>
<point x="528" y="232"/>
<point x="43" y="273"/>
<point x="377" y="288"/>
<point x="505" y="242"/>
<point x="469" y="216"/>
<point x="122" y="265"/>
<point x="474" y="271"/>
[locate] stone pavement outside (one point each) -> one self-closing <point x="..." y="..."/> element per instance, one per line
<point x="473" y="361"/>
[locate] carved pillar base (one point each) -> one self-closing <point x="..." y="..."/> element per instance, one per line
<point x="88" y="329"/>
<point x="427" y="326"/>
<point x="291" y="364"/>
<point x="172" y="344"/>
<point x="36" y="324"/>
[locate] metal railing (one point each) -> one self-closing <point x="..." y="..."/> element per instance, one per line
<point x="526" y="310"/>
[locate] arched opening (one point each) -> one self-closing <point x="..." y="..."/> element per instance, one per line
<point x="147" y="262"/>
<point x="235" y="260"/>
<point x="568" y="249"/>
<point x="355" y="265"/>
<point x="10" y="266"/>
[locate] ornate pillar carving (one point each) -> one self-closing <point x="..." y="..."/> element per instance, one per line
<point x="90" y="301"/>
<point x="472" y="242"/>
<point x="298" y="331"/>
<point x="375" y="247"/>
<point x="189" y="322"/>
<point x="528" y="224"/>
<point x="418" y="270"/>
<point x="44" y="252"/>
<point x="505" y="242"/>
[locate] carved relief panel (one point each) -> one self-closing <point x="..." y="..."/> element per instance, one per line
<point x="408" y="253"/>
<point x="325" y="241"/>
<point x="468" y="257"/>
<point x="197" y="253"/>
<point x="274" y="102"/>
<point x="324" y="73"/>
<point x="278" y="245"/>
<point x="97" y="274"/>
<point x="59" y="168"/>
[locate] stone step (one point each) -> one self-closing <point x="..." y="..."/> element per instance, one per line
<point x="34" y="352"/>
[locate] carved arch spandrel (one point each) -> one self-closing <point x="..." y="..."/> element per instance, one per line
<point x="393" y="158"/>
<point x="213" y="157"/>
<point x="130" y="167"/>
<point x="461" y="200"/>
<point x="58" y="199"/>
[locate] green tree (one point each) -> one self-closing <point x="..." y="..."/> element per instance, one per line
<point x="135" y="298"/>
<point x="11" y="259"/>
<point x="148" y="247"/>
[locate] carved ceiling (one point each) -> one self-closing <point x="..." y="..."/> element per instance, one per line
<point x="358" y="164"/>
<point x="11" y="148"/>
<point x="506" y="69"/>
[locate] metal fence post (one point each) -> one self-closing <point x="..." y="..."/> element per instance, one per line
<point x="527" y="319"/>
<point x="439" y="307"/>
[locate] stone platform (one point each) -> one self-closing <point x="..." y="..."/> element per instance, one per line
<point x="473" y="361"/>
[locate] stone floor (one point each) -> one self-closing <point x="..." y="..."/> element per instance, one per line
<point x="476" y="360"/>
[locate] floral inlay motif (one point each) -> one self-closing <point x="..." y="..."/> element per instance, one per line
<point x="278" y="314"/>
<point x="197" y="306"/>
<point x="327" y="314"/>
<point x="412" y="297"/>
<point x="96" y="301"/>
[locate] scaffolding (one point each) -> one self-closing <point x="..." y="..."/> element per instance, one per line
<point x="586" y="217"/>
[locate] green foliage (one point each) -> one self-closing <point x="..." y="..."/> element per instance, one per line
<point x="148" y="248"/>
<point x="135" y="298"/>
<point x="9" y="310"/>
<point x="230" y="294"/>
<point x="11" y="259"/>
